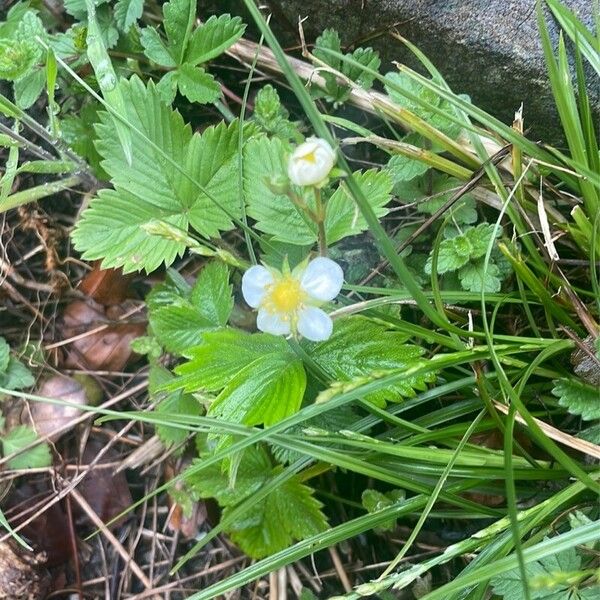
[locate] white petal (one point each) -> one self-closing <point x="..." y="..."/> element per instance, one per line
<point x="322" y="279"/>
<point x="272" y="323"/>
<point x="314" y="324"/>
<point x="311" y="162"/>
<point x="254" y="281"/>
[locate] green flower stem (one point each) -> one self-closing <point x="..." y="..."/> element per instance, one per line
<point x="320" y="221"/>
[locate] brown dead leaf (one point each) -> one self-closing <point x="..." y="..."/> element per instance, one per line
<point x="106" y="286"/>
<point x="105" y="491"/>
<point x="101" y="342"/>
<point x="48" y="418"/>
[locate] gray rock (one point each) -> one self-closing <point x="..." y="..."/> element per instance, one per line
<point x="489" y="49"/>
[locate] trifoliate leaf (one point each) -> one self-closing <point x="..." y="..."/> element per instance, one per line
<point x="335" y="91"/>
<point x="19" y="437"/>
<point x="261" y="379"/>
<point x="343" y="216"/>
<point x="213" y="38"/>
<point x="455" y="252"/>
<point x="510" y="585"/>
<point x="180" y="315"/>
<point x="197" y="85"/>
<point x="578" y="398"/>
<point x="155" y="49"/>
<point x="475" y="277"/>
<point x="177" y="402"/>
<point x="360" y="347"/>
<point x="179" y="18"/>
<point x="127" y="12"/>
<point x="152" y="187"/>
<point x="289" y="513"/>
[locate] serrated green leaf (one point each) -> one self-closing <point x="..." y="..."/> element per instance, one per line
<point x="578" y="398"/>
<point x="402" y="168"/>
<point x="474" y="277"/>
<point x="467" y="247"/>
<point x="153" y="188"/>
<point x="343" y="217"/>
<point x="16" y="58"/>
<point x="16" y="376"/>
<point x="212" y="160"/>
<point x="266" y="391"/>
<point x="222" y="355"/>
<point x="272" y="117"/>
<point x="197" y="85"/>
<point x="18" y="438"/>
<point x="367" y="57"/>
<point x="277" y="215"/>
<point x="261" y="379"/>
<point x="510" y="584"/>
<point x="213" y="482"/>
<point x="179" y="317"/>
<point x="264" y="161"/>
<point x="212" y="293"/>
<point x="111" y="229"/>
<point x="288" y="513"/>
<point x="267" y="105"/>
<point x="359" y="347"/>
<point x="405" y="82"/>
<point x="155" y="49"/>
<point x="178" y="21"/>
<point x="177" y="402"/>
<point x="212" y="38"/>
<point x="127" y="12"/>
<point x="167" y="87"/>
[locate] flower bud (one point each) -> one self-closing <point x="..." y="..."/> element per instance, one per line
<point x="311" y="162"/>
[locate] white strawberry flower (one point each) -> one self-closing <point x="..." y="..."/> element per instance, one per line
<point x="311" y="162"/>
<point x="288" y="302"/>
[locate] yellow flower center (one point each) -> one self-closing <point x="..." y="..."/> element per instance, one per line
<point x="310" y="157"/>
<point x="285" y="295"/>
